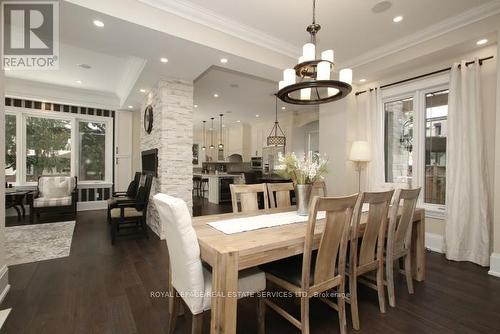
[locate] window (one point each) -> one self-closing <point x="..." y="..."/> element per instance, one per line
<point x="10" y="148"/>
<point x="436" y="113"/>
<point x="415" y="134"/>
<point x="398" y="138"/>
<point x="55" y="143"/>
<point x="48" y="147"/>
<point x="92" y="151"/>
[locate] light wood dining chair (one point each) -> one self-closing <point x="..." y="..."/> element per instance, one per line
<point x="313" y="273"/>
<point x="399" y="238"/>
<point x="369" y="256"/>
<point x="279" y="194"/>
<point x="319" y="189"/>
<point x="247" y="196"/>
<point x="190" y="282"/>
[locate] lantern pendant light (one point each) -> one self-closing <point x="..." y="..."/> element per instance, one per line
<point x="204" y="137"/>
<point x="274" y="139"/>
<point x="212" y="135"/>
<point x="221" y="145"/>
<point x="314" y="85"/>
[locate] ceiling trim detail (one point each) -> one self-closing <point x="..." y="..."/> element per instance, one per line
<point x="226" y="25"/>
<point x="131" y="74"/>
<point x="453" y="23"/>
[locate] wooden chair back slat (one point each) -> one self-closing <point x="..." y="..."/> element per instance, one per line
<point x="247" y="195"/>
<point x="279" y="194"/>
<point x="375" y="225"/>
<point x="331" y="256"/>
<point x="399" y="231"/>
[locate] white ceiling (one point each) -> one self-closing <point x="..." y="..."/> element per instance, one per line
<point x="125" y="56"/>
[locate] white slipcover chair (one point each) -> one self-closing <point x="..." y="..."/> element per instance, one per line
<point x="190" y="279"/>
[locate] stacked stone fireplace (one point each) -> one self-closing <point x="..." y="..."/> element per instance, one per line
<point x="172" y="135"/>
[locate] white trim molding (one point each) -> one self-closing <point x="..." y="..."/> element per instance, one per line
<point x="494" y="265"/>
<point x="434" y="242"/>
<point x="4" y="277"/>
<point x="91" y="205"/>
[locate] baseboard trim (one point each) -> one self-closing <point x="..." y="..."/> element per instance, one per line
<point x="92" y="205"/>
<point x="4" y="277"/>
<point x="494" y="265"/>
<point x="434" y="242"/>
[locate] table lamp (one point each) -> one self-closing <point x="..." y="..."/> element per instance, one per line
<point x="360" y="155"/>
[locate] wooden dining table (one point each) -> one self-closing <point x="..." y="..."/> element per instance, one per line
<point x="227" y="254"/>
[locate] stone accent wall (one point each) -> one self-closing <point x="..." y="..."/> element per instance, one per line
<point x="172" y="135"/>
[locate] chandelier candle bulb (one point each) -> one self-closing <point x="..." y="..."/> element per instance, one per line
<point x="323" y="71"/>
<point x="289" y="76"/>
<point x="309" y="52"/>
<point x="327" y="55"/>
<point x="305" y="94"/>
<point x="281" y="84"/>
<point x="332" y="91"/>
<point x="345" y="75"/>
<point x="301" y="59"/>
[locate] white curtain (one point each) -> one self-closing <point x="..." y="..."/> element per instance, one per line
<point x="467" y="232"/>
<point x="375" y="175"/>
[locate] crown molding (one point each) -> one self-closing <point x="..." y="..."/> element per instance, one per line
<point x="453" y="23"/>
<point x="226" y="25"/>
<point x="130" y="75"/>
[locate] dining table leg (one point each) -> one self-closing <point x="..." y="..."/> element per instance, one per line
<point x="224" y="293"/>
<point x="418" y="249"/>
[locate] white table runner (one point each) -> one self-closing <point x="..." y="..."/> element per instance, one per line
<point x="237" y="225"/>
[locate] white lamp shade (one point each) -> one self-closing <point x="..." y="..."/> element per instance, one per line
<point x="327" y="55"/>
<point x="323" y="71"/>
<point x="360" y="151"/>
<point x="345" y="75"/>
<point x="309" y="51"/>
<point x="289" y="76"/>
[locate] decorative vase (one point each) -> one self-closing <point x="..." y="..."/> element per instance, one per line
<point x="303" y="196"/>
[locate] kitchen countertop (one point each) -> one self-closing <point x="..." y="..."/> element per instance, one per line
<point x="220" y="175"/>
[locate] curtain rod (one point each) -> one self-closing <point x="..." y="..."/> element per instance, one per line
<point x="425" y="75"/>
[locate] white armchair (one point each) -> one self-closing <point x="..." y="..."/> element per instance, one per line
<point x="54" y="194"/>
<point x="190" y="279"/>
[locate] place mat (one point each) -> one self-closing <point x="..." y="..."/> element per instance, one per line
<point x="238" y="225"/>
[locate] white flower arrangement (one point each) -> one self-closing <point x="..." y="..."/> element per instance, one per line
<point x="307" y="170"/>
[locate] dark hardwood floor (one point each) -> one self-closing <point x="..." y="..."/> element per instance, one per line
<point x="101" y="288"/>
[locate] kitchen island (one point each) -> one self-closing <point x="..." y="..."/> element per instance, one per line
<point x="218" y="186"/>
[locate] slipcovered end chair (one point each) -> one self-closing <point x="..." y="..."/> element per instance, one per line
<point x="191" y="281"/>
<point x="54" y="194"/>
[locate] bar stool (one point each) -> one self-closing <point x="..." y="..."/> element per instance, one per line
<point x="196" y="185"/>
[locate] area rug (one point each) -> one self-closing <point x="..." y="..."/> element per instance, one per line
<point x="31" y="243"/>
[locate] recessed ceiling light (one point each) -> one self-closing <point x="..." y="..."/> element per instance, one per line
<point x="85" y="66"/>
<point x="257" y="116"/>
<point x="482" y="41"/>
<point x="142" y="90"/>
<point x="78" y="81"/>
<point x="223" y="60"/>
<point x="164" y="60"/>
<point x="397" y="19"/>
<point x="196" y="106"/>
<point x="98" y="23"/>
<point x="238" y="121"/>
<point x="362" y="80"/>
<point x="283" y="108"/>
<point x="216" y="95"/>
<point x="130" y="107"/>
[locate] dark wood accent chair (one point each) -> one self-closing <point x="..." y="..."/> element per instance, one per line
<point x="132" y="214"/>
<point x="125" y="196"/>
<point x="54" y="194"/>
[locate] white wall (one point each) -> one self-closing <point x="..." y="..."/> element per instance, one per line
<point x="4" y="284"/>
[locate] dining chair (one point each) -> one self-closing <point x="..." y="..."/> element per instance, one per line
<point x="316" y="272"/>
<point x="247" y="196"/>
<point x="190" y="279"/>
<point x="279" y="194"/>
<point x="319" y="189"/>
<point x="399" y="238"/>
<point x="368" y="256"/>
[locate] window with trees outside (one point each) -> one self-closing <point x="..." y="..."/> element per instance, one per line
<point x="415" y="136"/>
<point x="53" y="143"/>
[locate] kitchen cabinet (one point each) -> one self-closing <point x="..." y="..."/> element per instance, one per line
<point x="238" y="141"/>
